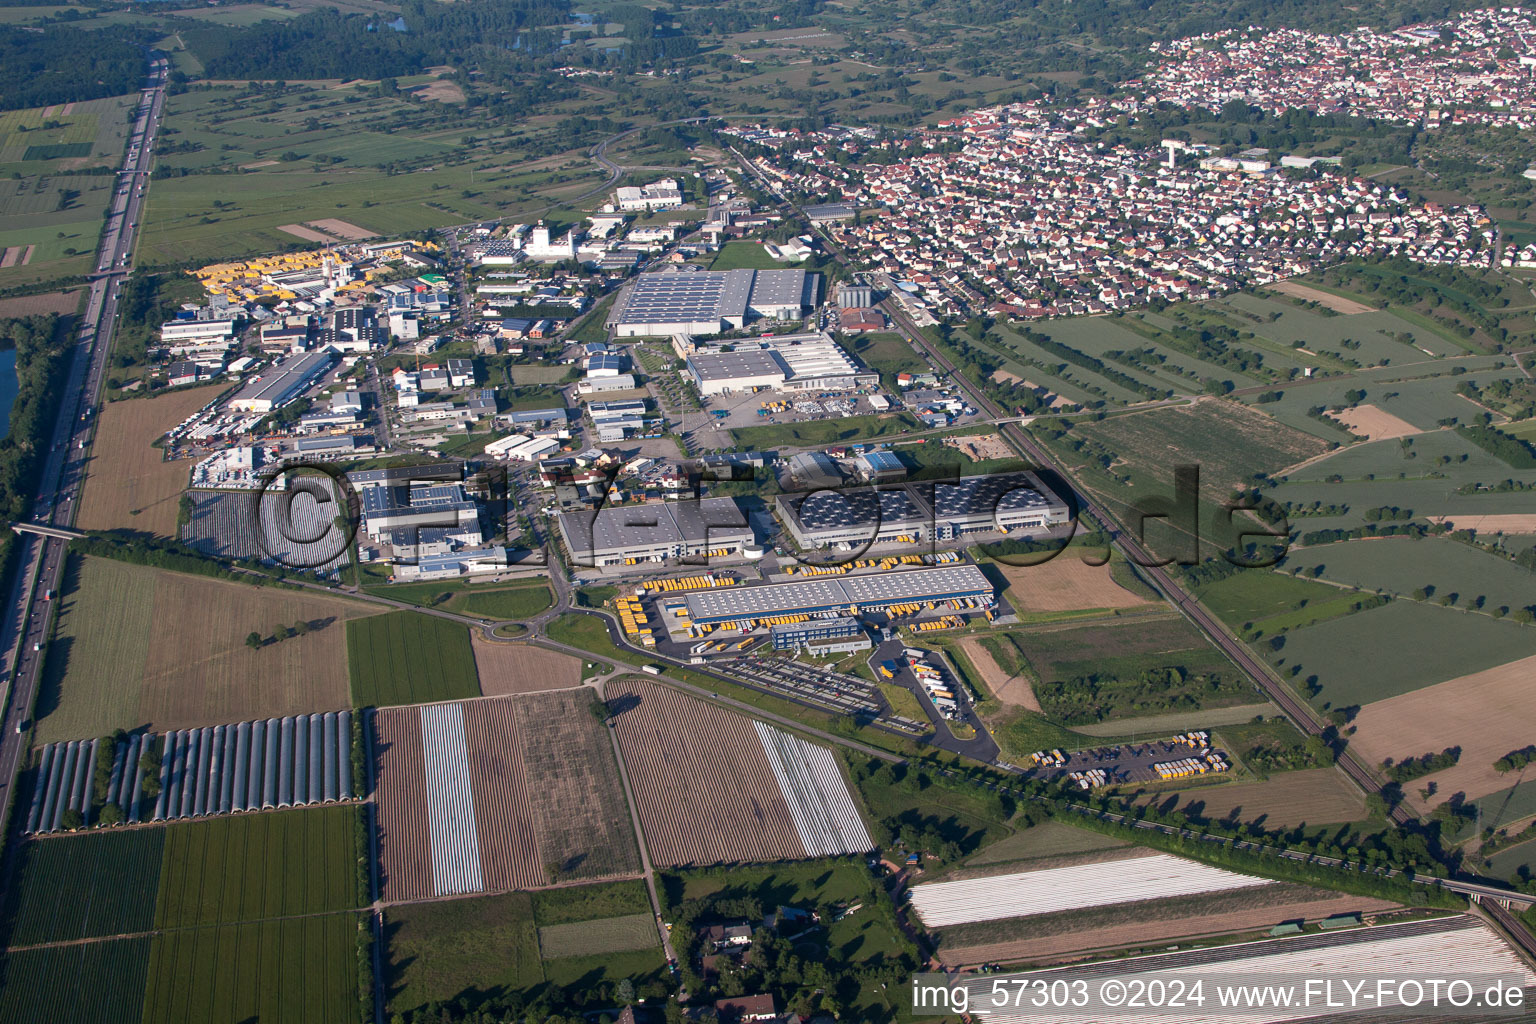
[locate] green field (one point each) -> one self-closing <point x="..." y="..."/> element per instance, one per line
<point x="1382" y="653"/>
<point x="80" y="984"/>
<point x="106" y="618"/>
<point x="435" y="951"/>
<point x="1248" y="597"/>
<point x="519" y="601"/>
<point x="297" y="969"/>
<point x="1128" y="460"/>
<point x="744" y="255"/>
<point x="888" y="354"/>
<point x="627" y="934"/>
<point x="1100" y="672"/>
<point x="111" y="879"/>
<point x="1047" y="839"/>
<point x="583" y="973"/>
<point x="490" y="945"/>
<point x="250" y="867"/>
<point x="1448" y="568"/>
<point x="58" y="215"/>
<point x="819" y="432"/>
<point x="321" y="150"/>
<point x="1273" y="745"/>
<point x="588" y="633"/>
<point x="409" y="658"/>
<point x="570" y="904"/>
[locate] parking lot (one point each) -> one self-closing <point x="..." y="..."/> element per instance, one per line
<point x="741" y="410"/>
<point x="844" y="694"/>
<point x="1126" y="763"/>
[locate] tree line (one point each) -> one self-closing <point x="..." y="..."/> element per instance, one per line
<point x="60" y="64"/>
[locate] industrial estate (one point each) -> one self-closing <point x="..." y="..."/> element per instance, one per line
<point x="718" y="513"/>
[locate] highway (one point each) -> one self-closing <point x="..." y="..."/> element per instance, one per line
<point x="24" y="630"/>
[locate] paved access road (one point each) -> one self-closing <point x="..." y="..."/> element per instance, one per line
<point x="24" y="630"/>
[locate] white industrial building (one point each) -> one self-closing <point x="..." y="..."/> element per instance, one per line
<point x="284" y="382"/>
<point x="787" y="362"/>
<point x="671" y="302"/>
<point x="521" y="447"/>
<point x="196" y="331"/>
<point x="658" y="195"/>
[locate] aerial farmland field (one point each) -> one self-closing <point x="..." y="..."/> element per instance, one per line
<point x="300" y="969"/>
<point x="1312" y="796"/>
<point x="1094" y="672"/>
<point x="1379" y="654"/>
<point x="408" y="658"/>
<point x="36" y="985"/>
<point x="255" y="866"/>
<point x="522" y="668"/>
<point x="1446" y="568"/>
<point x="547" y="802"/>
<point x="512" y="942"/>
<point x="584" y="827"/>
<point x="112" y="878"/>
<point x="438" y="950"/>
<point x="129" y="485"/>
<point x="686" y="759"/>
<point x="103" y="672"/>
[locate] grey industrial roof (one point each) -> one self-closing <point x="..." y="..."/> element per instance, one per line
<point x="778" y="288"/>
<point x="733" y="365"/>
<point x="677" y="297"/>
<point x="837" y="592"/>
<point x="625" y="527"/>
<point x="285" y="379"/>
<point x="672" y="296"/>
<point x="841" y="510"/>
<point x="987" y="495"/>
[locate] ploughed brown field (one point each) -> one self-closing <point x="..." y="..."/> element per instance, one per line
<point x="522" y="668"/>
<point x="1313" y="796"/>
<point x="1014" y="690"/>
<point x="1065" y="583"/>
<point x="1487" y="714"/>
<point x="128" y="486"/>
<point x="701" y="781"/>
<point x="405" y="843"/>
<point x="548" y="803"/>
<point x="509" y="853"/>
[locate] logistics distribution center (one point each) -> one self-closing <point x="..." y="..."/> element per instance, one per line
<point x="839" y="596"/>
<point x="916" y="511"/>
<point x="656" y="531"/>
<point x="670" y="302"/>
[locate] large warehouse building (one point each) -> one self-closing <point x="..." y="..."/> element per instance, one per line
<point x="842" y="595"/>
<point x="922" y="511"/>
<point x="283" y="383"/>
<point x="789" y="362"/>
<point x="656" y="531"/>
<point x="710" y="301"/>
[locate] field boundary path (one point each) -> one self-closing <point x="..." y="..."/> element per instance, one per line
<point x="646" y="868"/>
